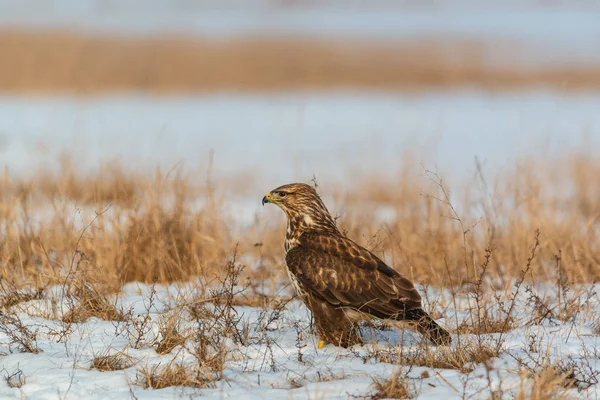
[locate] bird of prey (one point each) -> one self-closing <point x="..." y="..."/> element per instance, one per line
<point x="340" y="281"/>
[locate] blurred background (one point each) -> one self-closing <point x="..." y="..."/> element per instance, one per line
<point x="160" y="124"/>
<point x="281" y="90"/>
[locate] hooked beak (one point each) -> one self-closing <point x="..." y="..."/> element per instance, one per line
<point x="267" y="199"/>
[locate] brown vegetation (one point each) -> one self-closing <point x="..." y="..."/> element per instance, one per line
<point x="113" y="362"/>
<point x="492" y="241"/>
<point x="481" y="236"/>
<point x="159" y="377"/>
<point x="15" y="379"/>
<point x="75" y="62"/>
<point x="396" y="387"/>
<point x="462" y="357"/>
<point x="88" y="303"/>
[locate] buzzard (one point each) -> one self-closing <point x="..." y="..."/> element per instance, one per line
<point x="340" y="281"/>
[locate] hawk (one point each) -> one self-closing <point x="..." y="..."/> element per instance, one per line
<point x="340" y="281"/>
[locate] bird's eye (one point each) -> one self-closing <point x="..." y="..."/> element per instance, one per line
<point x="282" y="194"/>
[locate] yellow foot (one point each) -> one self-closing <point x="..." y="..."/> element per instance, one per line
<point x="321" y="344"/>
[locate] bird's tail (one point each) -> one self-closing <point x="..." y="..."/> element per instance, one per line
<point x="428" y="327"/>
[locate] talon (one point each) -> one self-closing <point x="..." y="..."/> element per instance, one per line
<point x="321" y="344"/>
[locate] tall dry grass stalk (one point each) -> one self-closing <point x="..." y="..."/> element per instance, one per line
<point x="441" y="236"/>
<point x="170" y="227"/>
<point x="128" y="228"/>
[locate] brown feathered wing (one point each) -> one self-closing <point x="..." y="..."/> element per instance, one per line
<point x="339" y="271"/>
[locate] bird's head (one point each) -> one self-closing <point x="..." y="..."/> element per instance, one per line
<point x="292" y="196"/>
<point x="302" y="204"/>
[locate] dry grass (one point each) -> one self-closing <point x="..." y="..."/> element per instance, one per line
<point x="455" y="358"/>
<point x="461" y="357"/>
<point x="548" y="384"/>
<point x="433" y="243"/>
<point x="175" y="229"/>
<point x="170" y="337"/>
<point x="490" y="242"/>
<point x="11" y="296"/>
<point x="488" y="325"/>
<point x="396" y="387"/>
<point x="159" y="377"/>
<point x="489" y="246"/>
<point x="89" y="302"/>
<point x="160" y="236"/>
<point x="15" y="379"/>
<point x="113" y="362"/>
<point x="19" y="335"/>
<point x="115" y="184"/>
<point x="208" y="351"/>
<point x="74" y="62"/>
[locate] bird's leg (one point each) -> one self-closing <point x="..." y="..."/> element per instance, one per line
<point x="332" y="325"/>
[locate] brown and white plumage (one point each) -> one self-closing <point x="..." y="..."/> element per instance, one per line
<point x="340" y="281"/>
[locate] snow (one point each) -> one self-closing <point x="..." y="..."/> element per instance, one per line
<point x="321" y="133"/>
<point x="280" y="358"/>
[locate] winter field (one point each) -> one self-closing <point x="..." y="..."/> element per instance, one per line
<point x="458" y="141"/>
<point x="123" y="284"/>
<point x="178" y="341"/>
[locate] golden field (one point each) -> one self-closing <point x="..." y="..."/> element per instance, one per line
<point x="63" y="61"/>
<point x="505" y="259"/>
<point x="175" y="225"/>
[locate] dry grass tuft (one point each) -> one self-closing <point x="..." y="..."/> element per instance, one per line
<point x="91" y="304"/>
<point x="160" y="235"/>
<point x="165" y="244"/>
<point x="113" y="184"/>
<point x="89" y="301"/>
<point x="10" y="296"/>
<point x="574" y="372"/>
<point x="159" y="377"/>
<point x="548" y="384"/>
<point x="170" y="339"/>
<point x="175" y="374"/>
<point x="19" y="335"/>
<point x="396" y="387"/>
<point x="462" y="357"/>
<point x="486" y="325"/>
<point x="114" y="362"/>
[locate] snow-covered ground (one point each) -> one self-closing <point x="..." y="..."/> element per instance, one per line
<point x="322" y="133"/>
<point x="272" y="353"/>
